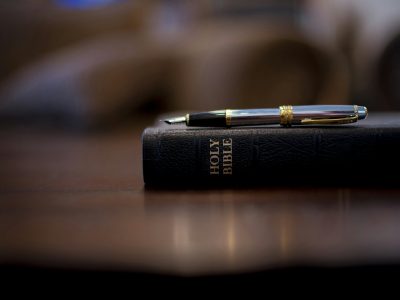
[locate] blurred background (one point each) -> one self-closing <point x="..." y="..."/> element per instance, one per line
<point x="93" y="63"/>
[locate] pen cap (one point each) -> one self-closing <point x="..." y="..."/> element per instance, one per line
<point x="362" y="112"/>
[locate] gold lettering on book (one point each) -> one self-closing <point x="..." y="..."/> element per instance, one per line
<point x="226" y="161"/>
<point x="227" y="156"/>
<point x="214" y="157"/>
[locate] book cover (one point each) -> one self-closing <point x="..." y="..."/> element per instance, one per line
<point x="366" y="152"/>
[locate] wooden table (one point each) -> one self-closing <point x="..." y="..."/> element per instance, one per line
<point x="77" y="201"/>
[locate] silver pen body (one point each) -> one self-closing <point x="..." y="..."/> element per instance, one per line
<point x="295" y="115"/>
<point x="285" y="115"/>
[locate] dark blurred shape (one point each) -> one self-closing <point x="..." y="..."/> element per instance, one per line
<point x="373" y="30"/>
<point x="278" y="10"/>
<point x="259" y="65"/>
<point x="75" y="67"/>
<point x="389" y="74"/>
<point x="85" y="4"/>
<point x="367" y="32"/>
<point x="31" y="30"/>
<point x="87" y="85"/>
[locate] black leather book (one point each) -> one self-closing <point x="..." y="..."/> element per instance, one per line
<point x="366" y="152"/>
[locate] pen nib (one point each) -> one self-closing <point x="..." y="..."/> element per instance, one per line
<point x="175" y="120"/>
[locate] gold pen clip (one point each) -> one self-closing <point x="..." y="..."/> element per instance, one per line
<point x="344" y="120"/>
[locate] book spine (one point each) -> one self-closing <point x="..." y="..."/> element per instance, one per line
<point x="268" y="156"/>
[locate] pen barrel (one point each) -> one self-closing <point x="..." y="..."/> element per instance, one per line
<point x="285" y="115"/>
<point x="295" y="115"/>
<point x="261" y="116"/>
<point x="237" y="117"/>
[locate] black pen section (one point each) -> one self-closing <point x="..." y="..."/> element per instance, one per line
<point x="208" y="119"/>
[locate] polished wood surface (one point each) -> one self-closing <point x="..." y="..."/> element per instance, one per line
<point x="77" y="200"/>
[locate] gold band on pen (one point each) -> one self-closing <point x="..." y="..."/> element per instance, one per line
<point x="286" y="115"/>
<point x="228" y="117"/>
<point x="356" y="110"/>
<point x="187" y="119"/>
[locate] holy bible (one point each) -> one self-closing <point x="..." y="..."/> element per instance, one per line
<point x="362" y="153"/>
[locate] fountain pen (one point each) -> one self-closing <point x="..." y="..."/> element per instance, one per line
<point x="285" y="115"/>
